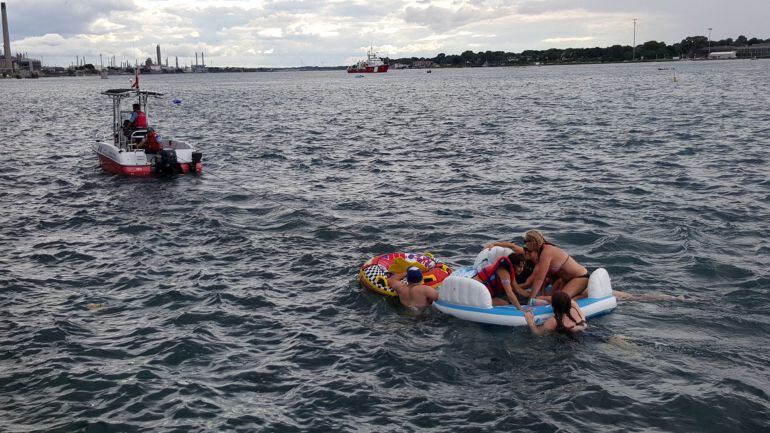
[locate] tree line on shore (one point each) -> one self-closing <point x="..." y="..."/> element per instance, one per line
<point x="689" y="47"/>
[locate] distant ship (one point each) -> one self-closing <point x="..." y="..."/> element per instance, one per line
<point x="372" y="64"/>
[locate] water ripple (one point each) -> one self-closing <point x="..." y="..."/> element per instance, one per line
<point x="229" y="301"/>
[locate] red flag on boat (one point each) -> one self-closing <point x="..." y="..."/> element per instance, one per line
<point x="135" y="84"/>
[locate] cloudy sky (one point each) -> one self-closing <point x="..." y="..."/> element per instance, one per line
<point x="337" y="32"/>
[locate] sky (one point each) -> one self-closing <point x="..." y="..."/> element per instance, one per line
<point x="287" y="33"/>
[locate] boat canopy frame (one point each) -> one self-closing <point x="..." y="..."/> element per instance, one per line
<point x="117" y="96"/>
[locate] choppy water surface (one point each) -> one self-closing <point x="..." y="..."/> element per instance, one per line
<point x="229" y="301"/>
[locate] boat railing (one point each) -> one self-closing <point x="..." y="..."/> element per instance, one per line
<point x="138" y="135"/>
<point x="127" y="142"/>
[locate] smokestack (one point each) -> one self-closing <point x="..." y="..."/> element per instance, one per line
<point x="196" y="58"/>
<point x="157" y="48"/>
<point x="177" y="62"/>
<point x="203" y="62"/>
<point x="6" y="39"/>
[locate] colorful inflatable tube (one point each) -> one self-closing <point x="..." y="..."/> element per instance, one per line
<point x="374" y="273"/>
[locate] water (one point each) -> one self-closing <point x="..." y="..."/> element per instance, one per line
<point x="230" y="302"/>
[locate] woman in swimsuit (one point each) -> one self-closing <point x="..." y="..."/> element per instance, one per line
<point x="551" y="262"/>
<point x="567" y="317"/>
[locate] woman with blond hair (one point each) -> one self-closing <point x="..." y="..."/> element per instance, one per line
<point x="552" y="265"/>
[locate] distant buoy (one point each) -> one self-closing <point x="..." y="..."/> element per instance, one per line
<point x="177" y="101"/>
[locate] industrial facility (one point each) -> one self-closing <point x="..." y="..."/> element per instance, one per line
<point x="20" y="66"/>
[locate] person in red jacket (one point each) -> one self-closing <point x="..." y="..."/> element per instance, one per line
<point x="500" y="279"/>
<point x="138" y="120"/>
<point x="151" y="143"/>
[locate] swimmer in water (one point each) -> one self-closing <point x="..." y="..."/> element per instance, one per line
<point x="413" y="293"/>
<point x="567" y="317"/>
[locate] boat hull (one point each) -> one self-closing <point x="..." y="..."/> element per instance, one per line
<point x="115" y="167"/>
<point x="139" y="164"/>
<point x="368" y="69"/>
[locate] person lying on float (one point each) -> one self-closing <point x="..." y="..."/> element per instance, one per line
<point x="499" y="277"/>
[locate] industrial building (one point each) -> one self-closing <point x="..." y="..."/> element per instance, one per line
<point x="746" y="51"/>
<point x="21" y="65"/>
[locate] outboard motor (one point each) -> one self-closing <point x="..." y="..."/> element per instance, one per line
<point x="166" y="162"/>
<point x="196" y="158"/>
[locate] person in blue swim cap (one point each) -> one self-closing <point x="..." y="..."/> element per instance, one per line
<point x="414" y="293"/>
<point x="414" y="275"/>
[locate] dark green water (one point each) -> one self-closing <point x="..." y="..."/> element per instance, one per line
<point x="229" y="301"/>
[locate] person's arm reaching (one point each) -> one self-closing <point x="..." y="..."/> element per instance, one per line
<point x="538" y="276"/>
<point x="537" y="330"/>
<point x="504" y="244"/>
<point x="505" y="280"/>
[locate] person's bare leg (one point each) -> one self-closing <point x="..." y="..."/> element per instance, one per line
<point x="646" y="297"/>
<point x="575" y="287"/>
<point x="499" y="302"/>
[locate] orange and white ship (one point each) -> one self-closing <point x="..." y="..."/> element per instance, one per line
<point x="373" y="63"/>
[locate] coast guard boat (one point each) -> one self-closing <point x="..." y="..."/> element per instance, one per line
<point x="142" y="152"/>
<point x="372" y="64"/>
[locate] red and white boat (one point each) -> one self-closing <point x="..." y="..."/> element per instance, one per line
<point x="372" y="64"/>
<point x="125" y="153"/>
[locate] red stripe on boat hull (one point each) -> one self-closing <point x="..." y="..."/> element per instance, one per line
<point x="368" y="69"/>
<point x="140" y="170"/>
<point x="128" y="170"/>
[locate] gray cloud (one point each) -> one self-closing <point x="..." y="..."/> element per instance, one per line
<point x="443" y="19"/>
<point x="68" y="17"/>
<point x="214" y="18"/>
<point x="287" y="32"/>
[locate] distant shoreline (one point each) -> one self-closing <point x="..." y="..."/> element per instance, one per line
<point x="229" y="70"/>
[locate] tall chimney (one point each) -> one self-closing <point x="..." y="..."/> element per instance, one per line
<point x="6" y="39"/>
<point x="196" y="58"/>
<point x="177" y="62"/>
<point x="203" y="62"/>
<point x="157" y="48"/>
